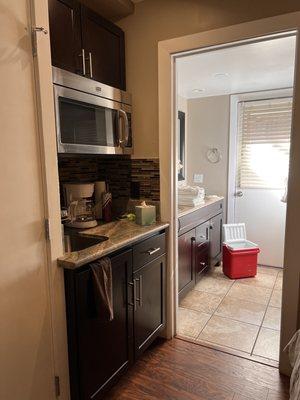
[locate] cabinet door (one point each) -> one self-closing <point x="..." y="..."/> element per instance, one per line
<point x="186" y="244"/>
<point x="149" y="310"/>
<point x="215" y="236"/>
<point x="104" y="47"/>
<point x="65" y="36"/>
<point x="201" y="249"/>
<point x="104" y="348"/>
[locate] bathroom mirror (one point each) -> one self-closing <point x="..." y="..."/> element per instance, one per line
<point x="181" y="146"/>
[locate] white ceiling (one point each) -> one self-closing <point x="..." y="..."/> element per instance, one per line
<point x="252" y="67"/>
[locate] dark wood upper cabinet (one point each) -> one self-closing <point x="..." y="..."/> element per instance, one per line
<point x="85" y="43"/>
<point x="149" y="314"/>
<point x="65" y="33"/>
<point x="104" y="49"/>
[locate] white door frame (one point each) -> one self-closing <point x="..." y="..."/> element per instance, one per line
<point x="167" y="51"/>
<point x="233" y="135"/>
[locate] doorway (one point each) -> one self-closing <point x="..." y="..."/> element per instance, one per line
<point x="252" y="154"/>
<point x="258" y="168"/>
<point x="168" y="52"/>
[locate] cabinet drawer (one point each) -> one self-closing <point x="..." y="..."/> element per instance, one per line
<point x="148" y="250"/>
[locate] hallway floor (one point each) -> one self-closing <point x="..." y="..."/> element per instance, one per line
<point x="179" y="370"/>
<point x="242" y="315"/>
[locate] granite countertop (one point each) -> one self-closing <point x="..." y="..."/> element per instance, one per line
<point x="184" y="210"/>
<point x="120" y="234"/>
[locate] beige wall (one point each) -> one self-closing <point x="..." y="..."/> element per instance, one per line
<point x="156" y="20"/>
<point x="208" y="127"/>
<point x="26" y="364"/>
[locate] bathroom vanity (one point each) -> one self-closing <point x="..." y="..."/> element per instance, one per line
<point x="199" y="241"/>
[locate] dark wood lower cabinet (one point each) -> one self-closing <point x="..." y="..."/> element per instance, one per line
<point x="186" y="275"/>
<point x="149" y="314"/>
<point x="99" y="352"/>
<point x="199" y="245"/>
<point x="215" y="234"/>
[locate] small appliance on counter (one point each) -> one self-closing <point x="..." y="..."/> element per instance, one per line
<point x="79" y="201"/>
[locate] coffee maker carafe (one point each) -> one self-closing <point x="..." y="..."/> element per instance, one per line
<point x="79" y="201"/>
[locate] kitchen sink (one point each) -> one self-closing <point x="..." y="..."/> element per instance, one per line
<point x="77" y="242"/>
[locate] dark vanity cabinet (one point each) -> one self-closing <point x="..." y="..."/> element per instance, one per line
<point x="85" y="43"/>
<point x="186" y="243"/>
<point x="199" y="244"/>
<point x="100" y="351"/>
<point x="215" y="233"/>
<point x="202" y="248"/>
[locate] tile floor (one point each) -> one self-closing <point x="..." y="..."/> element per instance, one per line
<point x="241" y="314"/>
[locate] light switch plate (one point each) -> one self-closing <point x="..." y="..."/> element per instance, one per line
<point x="198" y="178"/>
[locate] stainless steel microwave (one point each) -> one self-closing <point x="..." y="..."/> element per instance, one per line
<point x="91" y="118"/>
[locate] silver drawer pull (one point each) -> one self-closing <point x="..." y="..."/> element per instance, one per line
<point x="153" y="251"/>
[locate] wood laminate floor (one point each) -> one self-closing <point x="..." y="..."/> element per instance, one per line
<point x="178" y="370"/>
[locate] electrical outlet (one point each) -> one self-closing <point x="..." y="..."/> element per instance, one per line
<point x="198" y="178"/>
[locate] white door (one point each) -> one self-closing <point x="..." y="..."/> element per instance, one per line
<point x="262" y="160"/>
<point x="26" y="343"/>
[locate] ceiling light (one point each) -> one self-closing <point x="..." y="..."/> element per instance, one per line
<point x="221" y="75"/>
<point x="198" y="90"/>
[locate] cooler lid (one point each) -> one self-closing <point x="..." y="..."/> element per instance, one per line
<point x="242" y="245"/>
<point x="234" y="232"/>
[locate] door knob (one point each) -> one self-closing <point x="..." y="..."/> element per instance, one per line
<point x="239" y="193"/>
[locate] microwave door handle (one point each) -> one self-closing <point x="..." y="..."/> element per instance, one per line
<point x="124" y="134"/>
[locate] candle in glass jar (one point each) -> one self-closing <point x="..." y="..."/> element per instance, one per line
<point x="145" y="214"/>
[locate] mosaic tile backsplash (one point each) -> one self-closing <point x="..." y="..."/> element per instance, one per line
<point x="126" y="177"/>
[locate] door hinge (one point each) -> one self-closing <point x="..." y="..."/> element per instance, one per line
<point x="34" y="32"/>
<point x="57" y="386"/>
<point x="47" y="229"/>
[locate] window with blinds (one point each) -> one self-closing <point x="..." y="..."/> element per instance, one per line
<point x="264" y="129"/>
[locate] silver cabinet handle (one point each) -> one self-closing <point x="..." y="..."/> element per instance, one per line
<point x="133" y="284"/>
<point x="203" y="264"/>
<point x="153" y="251"/>
<point x="91" y="64"/>
<point x="123" y="134"/>
<point x="140" y="298"/>
<point x="82" y="55"/>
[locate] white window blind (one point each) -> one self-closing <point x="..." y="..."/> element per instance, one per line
<point x="264" y="129"/>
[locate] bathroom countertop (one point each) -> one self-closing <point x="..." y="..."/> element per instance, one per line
<point x="120" y="234"/>
<point x="184" y="210"/>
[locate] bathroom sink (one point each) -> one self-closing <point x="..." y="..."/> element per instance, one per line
<point x="77" y="242"/>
